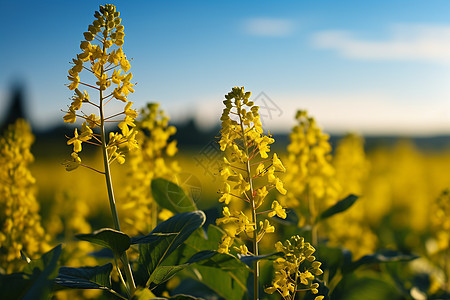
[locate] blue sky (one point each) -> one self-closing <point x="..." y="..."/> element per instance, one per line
<point x="366" y="66"/>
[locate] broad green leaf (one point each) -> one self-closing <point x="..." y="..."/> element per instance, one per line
<point x="250" y="259"/>
<point x="340" y="206"/>
<point x="379" y="257"/>
<point x="166" y="237"/>
<point x="14" y="286"/>
<point x="170" y="196"/>
<point x="115" y="240"/>
<point x="164" y="273"/>
<point x="223" y="273"/>
<point x="97" y="277"/>
<point x="42" y="271"/>
<point x="35" y="281"/>
<point x="150" y="238"/>
<point x="195" y="288"/>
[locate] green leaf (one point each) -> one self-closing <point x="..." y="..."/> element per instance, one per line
<point x="225" y="274"/>
<point x="14" y="286"/>
<point x="115" y="240"/>
<point x="165" y="238"/>
<point x="250" y="259"/>
<point x="97" y="277"/>
<point x="170" y="196"/>
<point x="378" y="257"/>
<point x="42" y="271"/>
<point x="164" y="273"/>
<point x="35" y="281"/>
<point x="340" y="206"/>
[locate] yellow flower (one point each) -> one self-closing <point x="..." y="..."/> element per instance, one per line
<point x="70" y="117"/>
<point x="19" y="217"/>
<point x="97" y="54"/>
<point x="76" y="141"/>
<point x="74" y="163"/>
<point x="245" y="145"/>
<point x="278" y="164"/>
<point x="278" y="210"/>
<point x="296" y="270"/>
<point x="125" y="124"/>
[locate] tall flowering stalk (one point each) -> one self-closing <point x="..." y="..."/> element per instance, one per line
<point x="310" y="179"/>
<point x="105" y="65"/>
<point x="350" y="230"/>
<point x="149" y="161"/>
<point x="20" y="221"/>
<point x="249" y="174"/>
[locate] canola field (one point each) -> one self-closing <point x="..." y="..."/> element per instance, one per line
<point x="128" y="215"/>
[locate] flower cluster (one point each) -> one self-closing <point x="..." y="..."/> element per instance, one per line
<point x="295" y="271"/>
<point x="311" y="176"/>
<point x="248" y="172"/>
<point x="350" y="230"/>
<point x="144" y="164"/>
<point x="20" y="221"/>
<point x="109" y="69"/>
<point x="441" y="222"/>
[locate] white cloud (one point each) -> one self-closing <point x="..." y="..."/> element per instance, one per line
<point x="405" y="42"/>
<point x="364" y="113"/>
<point x="268" y="27"/>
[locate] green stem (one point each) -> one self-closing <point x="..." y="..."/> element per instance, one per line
<point x="112" y="203"/>
<point x="254" y="220"/>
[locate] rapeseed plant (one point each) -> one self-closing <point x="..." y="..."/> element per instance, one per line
<point x="140" y="211"/>
<point x="310" y="179"/>
<point x="249" y="174"/>
<point x="106" y="65"/>
<point x="295" y="271"/>
<point x="19" y="210"/>
<point x="350" y="229"/>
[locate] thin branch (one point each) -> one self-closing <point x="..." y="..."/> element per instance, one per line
<point x="115" y="115"/>
<point x="91" y="86"/>
<point x="93" y="169"/>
